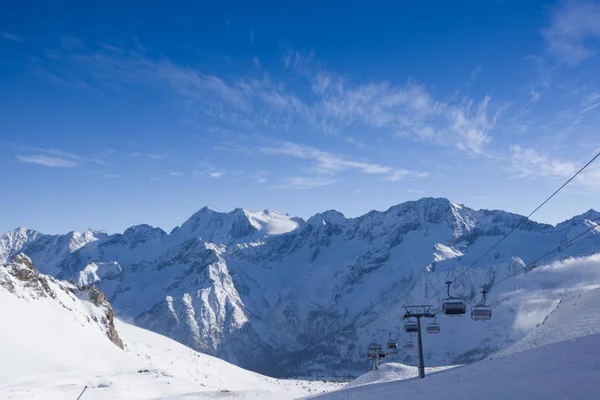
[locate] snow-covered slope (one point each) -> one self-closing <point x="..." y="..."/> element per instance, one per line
<point x="235" y="226"/>
<point x="54" y="342"/>
<point x="557" y="360"/>
<point x="390" y="371"/>
<point x="287" y="297"/>
<point x="565" y="370"/>
<point x="577" y="314"/>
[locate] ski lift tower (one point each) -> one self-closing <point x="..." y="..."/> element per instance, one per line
<point x="373" y="354"/>
<point x="419" y="312"/>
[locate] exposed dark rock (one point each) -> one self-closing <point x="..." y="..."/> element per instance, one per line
<point x="97" y="297"/>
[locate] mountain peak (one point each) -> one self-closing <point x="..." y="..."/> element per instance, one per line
<point x="591" y="214"/>
<point x="143" y="232"/>
<point x="332" y="217"/>
<point x="231" y="227"/>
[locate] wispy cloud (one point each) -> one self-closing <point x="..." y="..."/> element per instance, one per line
<point x="303" y="183"/>
<point x="328" y="101"/>
<point x="175" y="173"/>
<point x="534" y="96"/>
<point x="47" y="161"/>
<point x="72" y="43"/>
<point x="50" y="157"/>
<point x="408" y="111"/>
<point x="571" y="26"/>
<point x="112" y="48"/>
<point x="329" y="164"/>
<point x="235" y="148"/>
<point x="209" y="173"/>
<point x="590" y="108"/>
<point x="530" y="163"/>
<point x="150" y="156"/>
<point x="300" y="61"/>
<point x="65" y="154"/>
<point x="10" y="36"/>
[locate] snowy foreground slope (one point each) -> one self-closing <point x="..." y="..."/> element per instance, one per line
<point x="565" y="370"/>
<point x="557" y="360"/>
<point x="288" y="297"/>
<point x="53" y="344"/>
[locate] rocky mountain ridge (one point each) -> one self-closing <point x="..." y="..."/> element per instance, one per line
<point x="21" y="277"/>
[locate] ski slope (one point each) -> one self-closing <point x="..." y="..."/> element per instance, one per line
<point x="558" y="360"/>
<point x="51" y="350"/>
<point x="565" y="370"/>
<point x="388" y="372"/>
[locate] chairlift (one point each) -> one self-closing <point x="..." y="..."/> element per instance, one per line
<point x="411" y="327"/>
<point x="381" y="354"/>
<point x="374" y="347"/>
<point x="433" y="327"/>
<point x="392" y="344"/>
<point x="481" y="312"/>
<point x="453" y="305"/>
<point x="409" y="345"/>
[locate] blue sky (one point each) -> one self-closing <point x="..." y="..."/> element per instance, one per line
<point x="120" y="113"/>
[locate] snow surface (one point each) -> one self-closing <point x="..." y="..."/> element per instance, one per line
<point x="565" y="370"/>
<point x="51" y="349"/>
<point x="286" y="297"/>
<point x="558" y="360"/>
<point x="392" y="372"/>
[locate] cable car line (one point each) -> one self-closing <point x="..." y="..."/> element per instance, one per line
<point x="519" y="224"/>
<point x="529" y="266"/>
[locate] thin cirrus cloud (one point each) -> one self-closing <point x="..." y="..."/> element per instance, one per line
<point x="47" y="161"/>
<point x="11" y="37"/>
<point x="150" y="156"/>
<point x="303" y="183"/>
<point x="49" y="157"/>
<point x="571" y="26"/>
<point x="530" y="163"/>
<point x="211" y="174"/>
<point x="329" y="102"/>
<point x="326" y="163"/>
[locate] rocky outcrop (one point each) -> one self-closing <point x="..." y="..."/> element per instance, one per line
<point x="97" y="297"/>
<point x="23" y="269"/>
<point x="21" y="277"/>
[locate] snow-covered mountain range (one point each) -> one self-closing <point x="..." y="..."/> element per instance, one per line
<point x="285" y="296"/>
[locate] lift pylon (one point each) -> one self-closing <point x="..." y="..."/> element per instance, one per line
<point x="419" y="312"/>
